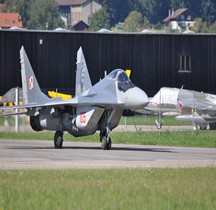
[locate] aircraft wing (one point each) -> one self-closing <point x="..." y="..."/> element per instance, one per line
<point x="91" y="100"/>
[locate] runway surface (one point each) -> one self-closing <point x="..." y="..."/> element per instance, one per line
<point x="34" y="154"/>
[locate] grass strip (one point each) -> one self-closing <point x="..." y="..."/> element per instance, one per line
<point x="166" y="138"/>
<point x="150" y="120"/>
<point x="109" y="189"/>
<point x="133" y="120"/>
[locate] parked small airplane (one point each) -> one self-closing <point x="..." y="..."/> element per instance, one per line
<point x="93" y="108"/>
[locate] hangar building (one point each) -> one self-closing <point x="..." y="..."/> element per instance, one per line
<point x="156" y="60"/>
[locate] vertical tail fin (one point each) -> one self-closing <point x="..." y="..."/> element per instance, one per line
<point x="31" y="90"/>
<point x="83" y="81"/>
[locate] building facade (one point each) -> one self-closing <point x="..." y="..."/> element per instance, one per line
<point x="9" y="20"/>
<point x="74" y="11"/>
<point x="156" y="60"/>
<point x="180" y="19"/>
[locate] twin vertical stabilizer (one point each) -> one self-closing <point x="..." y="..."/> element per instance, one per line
<point x="31" y="91"/>
<point x="83" y="81"/>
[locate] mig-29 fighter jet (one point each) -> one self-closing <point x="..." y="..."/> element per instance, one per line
<point x="187" y="105"/>
<point x="98" y="107"/>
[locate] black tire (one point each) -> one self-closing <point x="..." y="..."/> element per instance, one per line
<point x="58" y="139"/>
<point x="203" y="127"/>
<point x="109" y="144"/>
<point x="104" y="143"/>
<point x="212" y="126"/>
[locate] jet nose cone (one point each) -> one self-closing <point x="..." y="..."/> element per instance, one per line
<point x="136" y="98"/>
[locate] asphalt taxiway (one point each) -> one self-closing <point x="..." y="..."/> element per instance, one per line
<point x="34" y="154"/>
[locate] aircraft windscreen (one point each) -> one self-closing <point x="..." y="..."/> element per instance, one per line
<point x="123" y="77"/>
<point x="113" y="74"/>
<point x="124" y="83"/>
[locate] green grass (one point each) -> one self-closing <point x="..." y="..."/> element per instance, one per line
<point x="166" y="138"/>
<point x="1" y="121"/>
<point x="135" y="120"/>
<point x="150" y="120"/>
<point x="109" y="189"/>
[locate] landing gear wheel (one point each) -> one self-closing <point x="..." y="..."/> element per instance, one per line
<point x="158" y="125"/>
<point x="109" y="144"/>
<point x="106" y="143"/>
<point x="58" y="139"/>
<point x="203" y="127"/>
<point x="212" y="126"/>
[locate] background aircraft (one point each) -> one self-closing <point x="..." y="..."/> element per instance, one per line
<point x="93" y="108"/>
<point x="187" y="105"/>
<point x="198" y="108"/>
<point x="164" y="102"/>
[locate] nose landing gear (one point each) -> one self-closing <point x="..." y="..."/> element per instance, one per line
<point x="105" y="139"/>
<point x="58" y="139"/>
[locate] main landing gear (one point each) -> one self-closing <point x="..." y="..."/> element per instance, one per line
<point x="105" y="139"/>
<point x="58" y="139"/>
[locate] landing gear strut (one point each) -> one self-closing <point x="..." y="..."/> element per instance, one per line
<point x="158" y="122"/>
<point x="58" y="139"/>
<point x="105" y="139"/>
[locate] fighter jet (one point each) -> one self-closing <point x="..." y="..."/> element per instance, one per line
<point x="197" y="107"/>
<point x="164" y="102"/>
<point x="187" y="105"/>
<point x="94" y="108"/>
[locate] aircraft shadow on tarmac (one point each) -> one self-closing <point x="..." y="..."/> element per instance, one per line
<point x="122" y="149"/>
<point x="165" y="150"/>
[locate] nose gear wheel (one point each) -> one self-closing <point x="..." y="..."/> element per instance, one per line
<point x="105" y="139"/>
<point x="58" y="139"/>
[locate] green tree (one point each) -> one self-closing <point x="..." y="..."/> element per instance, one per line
<point x="154" y="10"/>
<point x="199" y="26"/>
<point x="212" y="28"/>
<point x="43" y="14"/>
<point x="117" y="10"/>
<point x="193" y="5"/>
<point x="176" y="4"/>
<point x="157" y="10"/>
<point x="209" y="11"/>
<point x="20" y="6"/>
<point x="36" y="14"/>
<point x="100" y="19"/>
<point x="134" y="22"/>
<point x="146" y="23"/>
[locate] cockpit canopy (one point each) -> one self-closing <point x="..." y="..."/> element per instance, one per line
<point x="124" y="83"/>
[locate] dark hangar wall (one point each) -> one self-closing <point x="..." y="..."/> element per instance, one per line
<point x="153" y="58"/>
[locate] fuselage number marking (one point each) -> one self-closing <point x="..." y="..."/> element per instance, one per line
<point x="83" y="117"/>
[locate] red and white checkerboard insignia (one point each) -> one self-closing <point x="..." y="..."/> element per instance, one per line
<point x="31" y="83"/>
<point x="83" y="117"/>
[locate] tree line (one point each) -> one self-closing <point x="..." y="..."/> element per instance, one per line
<point x="133" y="14"/>
<point x="137" y="14"/>
<point x="36" y="14"/>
